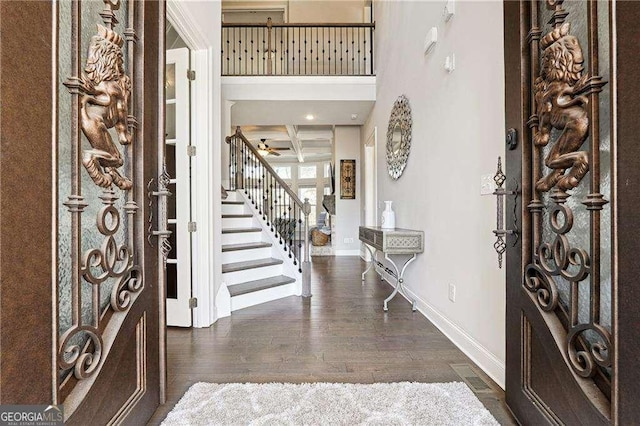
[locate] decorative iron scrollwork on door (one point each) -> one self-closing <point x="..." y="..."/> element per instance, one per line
<point x="104" y="104"/>
<point x="101" y="99"/>
<point x="565" y="116"/>
<point x="500" y="245"/>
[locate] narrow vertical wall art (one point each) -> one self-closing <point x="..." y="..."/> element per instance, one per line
<point x="348" y="179"/>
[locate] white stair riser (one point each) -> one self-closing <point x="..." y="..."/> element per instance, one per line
<point x="237" y="277"/>
<point x="241" y="238"/>
<point x="262" y="296"/>
<point x="234" y="209"/>
<point x="244" y="255"/>
<point x="232" y="196"/>
<point x="238" y="222"/>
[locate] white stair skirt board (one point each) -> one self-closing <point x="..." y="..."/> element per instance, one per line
<point x="255" y="267"/>
<point x="263" y="296"/>
<point x="480" y="355"/>
<point x="223" y="301"/>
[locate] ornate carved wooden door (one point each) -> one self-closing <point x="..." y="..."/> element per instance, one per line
<point x="89" y="105"/>
<point x="564" y="301"/>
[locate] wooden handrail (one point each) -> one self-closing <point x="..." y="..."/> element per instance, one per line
<point x="266" y="165"/>
<point x="255" y="194"/>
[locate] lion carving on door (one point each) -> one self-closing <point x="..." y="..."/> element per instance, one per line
<point x="560" y="97"/>
<point x="103" y="105"/>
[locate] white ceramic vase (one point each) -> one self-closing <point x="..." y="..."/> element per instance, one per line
<point x="388" y="216"/>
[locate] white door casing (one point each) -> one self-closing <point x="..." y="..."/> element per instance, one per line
<point x="178" y="139"/>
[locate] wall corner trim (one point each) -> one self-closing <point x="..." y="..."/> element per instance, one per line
<point x="183" y="22"/>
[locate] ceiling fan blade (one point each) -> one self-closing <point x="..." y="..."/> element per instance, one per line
<point x="277" y="154"/>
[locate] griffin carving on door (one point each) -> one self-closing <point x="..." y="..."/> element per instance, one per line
<point x="561" y="99"/>
<point x="103" y="105"/>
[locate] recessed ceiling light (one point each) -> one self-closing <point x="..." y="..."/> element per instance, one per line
<point x="309" y="117"/>
<point x="354" y="116"/>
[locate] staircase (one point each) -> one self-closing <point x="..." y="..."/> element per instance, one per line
<point x="255" y="266"/>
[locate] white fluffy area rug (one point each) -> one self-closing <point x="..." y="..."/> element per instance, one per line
<point x="330" y="404"/>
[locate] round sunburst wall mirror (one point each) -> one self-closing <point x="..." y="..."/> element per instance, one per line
<point x="399" y="137"/>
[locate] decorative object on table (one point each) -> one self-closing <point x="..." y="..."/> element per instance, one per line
<point x="399" y="137"/>
<point x="348" y="179"/>
<point x="388" y="216"/>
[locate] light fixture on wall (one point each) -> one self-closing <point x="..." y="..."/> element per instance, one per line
<point x="309" y="117"/>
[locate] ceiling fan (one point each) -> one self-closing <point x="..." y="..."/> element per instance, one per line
<point x="264" y="149"/>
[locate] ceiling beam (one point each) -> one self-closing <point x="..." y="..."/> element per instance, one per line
<point x="295" y="142"/>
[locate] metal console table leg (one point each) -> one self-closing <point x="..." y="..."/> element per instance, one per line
<point x="373" y="260"/>
<point x="400" y="281"/>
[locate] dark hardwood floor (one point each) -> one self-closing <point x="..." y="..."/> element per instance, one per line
<point x="341" y="334"/>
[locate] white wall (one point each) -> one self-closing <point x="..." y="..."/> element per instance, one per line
<point x="311" y="11"/>
<point x="347" y="219"/>
<point x="458" y="133"/>
<point x="319" y="11"/>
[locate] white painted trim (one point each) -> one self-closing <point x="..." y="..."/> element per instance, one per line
<point x="178" y="311"/>
<point x="482" y="356"/>
<point x="184" y="24"/>
<point x="299" y="88"/>
<point x="263" y="296"/>
<point x="300" y="79"/>
<point x="348" y="253"/>
<point x="223" y="301"/>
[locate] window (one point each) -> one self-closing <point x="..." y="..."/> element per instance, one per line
<point x="307" y="172"/>
<point x="283" y="171"/>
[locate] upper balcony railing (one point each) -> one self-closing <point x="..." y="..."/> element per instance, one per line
<point x="297" y="49"/>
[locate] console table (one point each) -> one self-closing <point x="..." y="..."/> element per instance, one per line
<point x="395" y="241"/>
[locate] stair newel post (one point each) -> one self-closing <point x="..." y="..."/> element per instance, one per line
<point x="269" y="58"/>
<point x="239" y="163"/>
<point x="306" y="264"/>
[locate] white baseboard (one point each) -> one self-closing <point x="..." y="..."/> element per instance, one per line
<point x="347" y="252"/>
<point x="487" y="361"/>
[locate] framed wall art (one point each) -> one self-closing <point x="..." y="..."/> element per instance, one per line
<point x="348" y="179"/>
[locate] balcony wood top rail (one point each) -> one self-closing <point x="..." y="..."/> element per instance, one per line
<point x="299" y="25"/>
<point x="267" y="166"/>
<point x="298" y="48"/>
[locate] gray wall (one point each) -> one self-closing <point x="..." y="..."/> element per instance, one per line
<point x="347" y="147"/>
<point x="458" y="133"/>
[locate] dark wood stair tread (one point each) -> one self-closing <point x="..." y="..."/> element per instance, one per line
<point x="257" y="285"/>
<point x="245" y="246"/>
<point x="236" y="216"/>
<point x="250" y="264"/>
<point x="237" y="203"/>
<point x="240" y="230"/>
